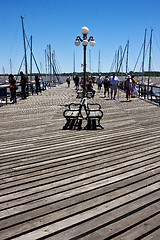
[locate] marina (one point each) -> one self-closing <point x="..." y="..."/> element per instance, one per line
<point x="80" y="145"/>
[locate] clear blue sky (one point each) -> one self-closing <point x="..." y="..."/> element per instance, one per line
<point x="58" y="22"/>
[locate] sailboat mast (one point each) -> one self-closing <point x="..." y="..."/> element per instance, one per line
<point x="149" y="67"/>
<point x="10" y="66"/>
<point x="50" y="62"/>
<point x="26" y="72"/>
<point x="127" y="57"/>
<point x="144" y="46"/>
<point x="117" y="61"/>
<point x="31" y="61"/>
<point x="46" y="62"/>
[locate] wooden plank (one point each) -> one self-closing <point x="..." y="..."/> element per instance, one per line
<point x="66" y="184"/>
<point x="59" y="192"/>
<point x="144" y="227"/>
<point x="43" y="148"/>
<point x="120" y="145"/>
<point x="69" y="169"/>
<point x="153" y="235"/>
<point x="104" y="171"/>
<point x="70" y="206"/>
<point x="90" y="214"/>
<point x="112" y="225"/>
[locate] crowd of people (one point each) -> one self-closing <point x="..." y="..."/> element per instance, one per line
<point x="110" y="85"/>
<point x="25" y="86"/>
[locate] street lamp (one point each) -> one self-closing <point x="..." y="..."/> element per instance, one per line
<point x="84" y="41"/>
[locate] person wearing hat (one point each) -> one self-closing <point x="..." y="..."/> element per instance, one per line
<point x="128" y="87"/>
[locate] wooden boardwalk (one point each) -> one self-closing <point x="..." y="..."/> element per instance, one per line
<point x="88" y="184"/>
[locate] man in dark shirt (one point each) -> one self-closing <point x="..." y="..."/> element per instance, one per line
<point x="90" y="88"/>
<point x="37" y="82"/>
<point x="106" y="84"/>
<point x="23" y="85"/>
<point x="76" y="80"/>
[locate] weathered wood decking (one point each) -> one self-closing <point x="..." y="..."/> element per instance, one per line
<point x="92" y="185"/>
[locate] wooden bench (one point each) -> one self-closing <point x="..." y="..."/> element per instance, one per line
<point x="89" y="94"/>
<point x="79" y="94"/>
<point x="94" y="115"/>
<point x="73" y="117"/>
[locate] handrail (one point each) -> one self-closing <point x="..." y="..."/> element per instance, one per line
<point x="149" y="92"/>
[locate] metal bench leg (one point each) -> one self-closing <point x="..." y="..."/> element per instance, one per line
<point x="67" y="124"/>
<point x="94" y="125"/>
<point x="88" y="126"/>
<point x="100" y="124"/>
<point x="72" y="123"/>
<point x="79" y="127"/>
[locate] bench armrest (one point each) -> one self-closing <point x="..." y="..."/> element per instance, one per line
<point x="71" y="113"/>
<point x="94" y="106"/>
<point x="93" y="113"/>
<point x="74" y="106"/>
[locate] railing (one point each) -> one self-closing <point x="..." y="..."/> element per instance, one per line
<point x="151" y="92"/>
<point x="3" y="92"/>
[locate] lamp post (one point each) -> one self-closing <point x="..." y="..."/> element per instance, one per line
<point x="84" y="41"/>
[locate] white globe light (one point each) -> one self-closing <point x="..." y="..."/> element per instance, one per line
<point x="92" y="43"/>
<point x="85" y="42"/>
<point x="77" y="43"/>
<point x="84" y="30"/>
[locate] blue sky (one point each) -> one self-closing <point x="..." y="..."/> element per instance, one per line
<point x="57" y="22"/>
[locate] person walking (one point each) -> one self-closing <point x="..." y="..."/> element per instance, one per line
<point x="106" y="85"/>
<point x="37" y="82"/>
<point x="13" y="88"/>
<point x="114" y="81"/>
<point x="23" y="85"/>
<point x="128" y="87"/>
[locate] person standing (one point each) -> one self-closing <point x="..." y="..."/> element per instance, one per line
<point x="128" y="87"/>
<point x="114" y="81"/>
<point x="13" y="88"/>
<point x="76" y="80"/>
<point x="106" y="85"/>
<point x="23" y="85"/>
<point x="134" y="82"/>
<point x="37" y="82"/>
<point x="99" y="82"/>
<point x="68" y="80"/>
